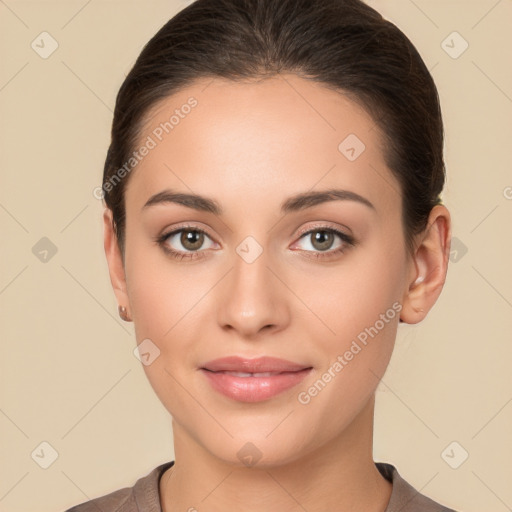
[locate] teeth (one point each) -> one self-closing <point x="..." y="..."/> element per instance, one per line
<point x="244" y="374"/>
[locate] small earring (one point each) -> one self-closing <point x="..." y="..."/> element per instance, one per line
<point x="123" y="313"/>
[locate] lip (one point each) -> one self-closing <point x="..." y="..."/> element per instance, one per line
<point x="283" y="376"/>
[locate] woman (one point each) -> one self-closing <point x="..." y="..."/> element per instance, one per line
<point x="272" y="193"/>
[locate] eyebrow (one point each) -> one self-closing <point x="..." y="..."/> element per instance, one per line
<point x="292" y="204"/>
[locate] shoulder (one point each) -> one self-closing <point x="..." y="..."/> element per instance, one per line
<point x="404" y="497"/>
<point x="143" y="495"/>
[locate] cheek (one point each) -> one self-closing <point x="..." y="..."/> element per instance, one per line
<point x="161" y="291"/>
<point x="360" y="311"/>
<point x="353" y="296"/>
<point x="163" y="302"/>
<point x="169" y="304"/>
<point x="357" y="306"/>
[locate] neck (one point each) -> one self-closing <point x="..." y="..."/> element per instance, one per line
<point x="340" y="475"/>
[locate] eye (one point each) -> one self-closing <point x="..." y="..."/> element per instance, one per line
<point x="185" y="242"/>
<point x="188" y="242"/>
<point x="321" y="241"/>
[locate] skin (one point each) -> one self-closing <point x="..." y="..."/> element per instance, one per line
<point x="250" y="146"/>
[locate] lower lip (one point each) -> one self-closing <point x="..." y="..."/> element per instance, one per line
<point x="254" y="389"/>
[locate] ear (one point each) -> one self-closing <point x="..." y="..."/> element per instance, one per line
<point x="430" y="264"/>
<point x="114" y="260"/>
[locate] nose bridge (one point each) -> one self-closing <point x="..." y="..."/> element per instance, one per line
<point x="251" y="297"/>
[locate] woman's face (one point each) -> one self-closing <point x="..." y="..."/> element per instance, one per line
<point x="254" y="284"/>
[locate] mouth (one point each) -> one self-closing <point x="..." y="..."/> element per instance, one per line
<point x="253" y="380"/>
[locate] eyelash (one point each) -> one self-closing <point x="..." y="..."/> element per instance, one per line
<point x="193" y="255"/>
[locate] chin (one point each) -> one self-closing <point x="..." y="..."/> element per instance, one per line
<point x="254" y="447"/>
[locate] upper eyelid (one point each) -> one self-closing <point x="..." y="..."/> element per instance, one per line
<point x="173" y="231"/>
<point x="319" y="226"/>
<point x="325" y="225"/>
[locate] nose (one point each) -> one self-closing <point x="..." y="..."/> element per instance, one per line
<point x="252" y="300"/>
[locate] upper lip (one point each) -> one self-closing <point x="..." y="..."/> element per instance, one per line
<point x="257" y="365"/>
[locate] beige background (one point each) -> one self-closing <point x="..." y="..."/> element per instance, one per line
<point x="68" y="373"/>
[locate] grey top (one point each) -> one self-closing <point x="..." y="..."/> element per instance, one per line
<point x="144" y="496"/>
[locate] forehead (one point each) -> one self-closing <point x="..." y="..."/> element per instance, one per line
<point x="282" y="133"/>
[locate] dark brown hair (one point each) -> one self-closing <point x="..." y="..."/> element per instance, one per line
<point x="344" y="44"/>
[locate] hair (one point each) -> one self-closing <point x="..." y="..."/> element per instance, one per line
<point x="343" y="44"/>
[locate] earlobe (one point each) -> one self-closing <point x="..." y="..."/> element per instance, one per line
<point x="428" y="273"/>
<point x="115" y="264"/>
